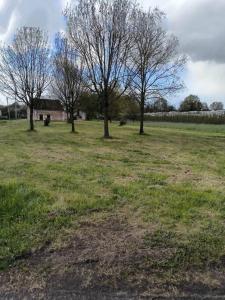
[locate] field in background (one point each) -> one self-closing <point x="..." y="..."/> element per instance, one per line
<point x="169" y="183"/>
<point x="201" y="117"/>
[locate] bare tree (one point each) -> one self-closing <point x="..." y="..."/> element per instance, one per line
<point x="24" y="67"/>
<point x="101" y="31"/>
<point x="68" y="70"/>
<point x="156" y="60"/>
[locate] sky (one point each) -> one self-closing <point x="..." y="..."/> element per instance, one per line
<point x="198" y="24"/>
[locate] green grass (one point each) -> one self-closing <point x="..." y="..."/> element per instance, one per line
<point x="171" y="180"/>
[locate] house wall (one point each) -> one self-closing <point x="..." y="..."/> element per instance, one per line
<point x="54" y="115"/>
<point x="82" y="115"/>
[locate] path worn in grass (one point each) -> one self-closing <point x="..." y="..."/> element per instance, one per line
<point x="133" y="214"/>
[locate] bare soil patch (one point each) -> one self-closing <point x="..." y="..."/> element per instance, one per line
<point x="105" y="259"/>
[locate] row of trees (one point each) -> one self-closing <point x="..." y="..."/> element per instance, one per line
<point x="193" y="103"/>
<point x="190" y="103"/>
<point x="112" y="48"/>
<point x="159" y="105"/>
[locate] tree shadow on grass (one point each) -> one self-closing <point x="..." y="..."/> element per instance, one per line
<point x="141" y="135"/>
<point x="30" y="131"/>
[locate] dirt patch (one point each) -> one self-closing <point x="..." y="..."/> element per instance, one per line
<point x="101" y="260"/>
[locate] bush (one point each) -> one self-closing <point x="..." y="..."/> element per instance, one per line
<point x="47" y="121"/>
<point x="123" y="122"/>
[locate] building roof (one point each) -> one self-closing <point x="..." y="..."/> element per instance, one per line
<point x="48" y="104"/>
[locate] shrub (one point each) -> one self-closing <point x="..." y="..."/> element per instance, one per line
<point x="123" y="122"/>
<point x="47" y="121"/>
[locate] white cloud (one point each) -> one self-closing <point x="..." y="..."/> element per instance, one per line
<point x="206" y="79"/>
<point x="46" y="14"/>
<point x="1" y="3"/>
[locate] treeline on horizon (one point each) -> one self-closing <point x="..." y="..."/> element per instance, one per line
<point x="191" y="110"/>
<point x="126" y="108"/>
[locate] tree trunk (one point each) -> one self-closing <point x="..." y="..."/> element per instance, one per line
<point x="67" y="117"/>
<point x="72" y="121"/>
<point x="31" y="117"/>
<point x="142" y="106"/>
<point x="106" y="117"/>
<point x="73" y="126"/>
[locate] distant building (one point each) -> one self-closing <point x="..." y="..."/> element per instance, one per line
<point x="52" y="109"/>
<point x="44" y="108"/>
<point x="81" y="115"/>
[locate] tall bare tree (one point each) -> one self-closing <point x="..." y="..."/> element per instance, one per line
<point x="101" y="31"/>
<point x="68" y="76"/>
<point x="157" y="63"/>
<point x="25" y="66"/>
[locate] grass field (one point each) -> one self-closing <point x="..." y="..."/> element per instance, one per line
<point x="169" y="181"/>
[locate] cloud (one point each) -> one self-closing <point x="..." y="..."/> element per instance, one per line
<point x="206" y="79"/>
<point x="45" y="14"/>
<point x="200" y="26"/>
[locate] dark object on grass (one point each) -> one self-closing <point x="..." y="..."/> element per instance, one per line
<point x="47" y="121"/>
<point x="123" y="122"/>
